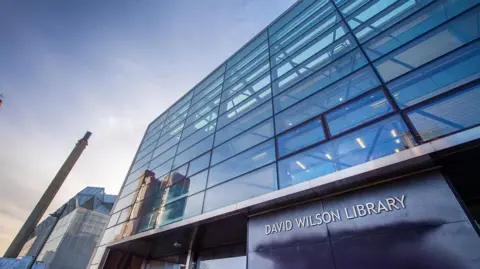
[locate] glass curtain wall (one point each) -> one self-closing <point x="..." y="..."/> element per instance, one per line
<point x="327" y="86"/>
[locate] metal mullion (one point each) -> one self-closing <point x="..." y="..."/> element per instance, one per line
<point x="244" y="57"/>
<point x="259" y="78"/>
<point x="287" y="22"/>
<point x="364" y="7"/>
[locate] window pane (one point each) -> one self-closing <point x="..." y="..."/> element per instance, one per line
<point x="390" y="16"/>
<point x="351" y="115"/>
<point x="129" y="188"/>
<point x="246" y="50"/>
<point x="148" y="221"/>
<point x="196" y="137"/>
<point x="201" y="123"/>
<point x="242" y="188"/>
<point x="420" y="23"/>
<point x="245" y="107"/>
<point x="176" y="125"/>
<point x="125" y="201"/>
<point x="248" y="139"/>
<point x="199" y="164"/>
<point x="141" y="162"/>
<point x="244" y="123"/>
<point x="367" y="11"/>
<point x="213" y="78"/>
<point x="287" y="17"/>
<point x="182" y="209"/>
<point x="351" y="6"/>
<point x="204" y="109"/>
<point x="297" y="44"/>
<point x="163" y="157"/>
<point x="372" y="142"/>
<point x="113" y="219"/>
<point x="198" y="182"/>
<point x="181" y="106"/>
<point x="136" y="174"/>
<point x="215" y="87"/>
<point x="301" y="24"/>
<point x="442" y="75"/>
<point x="192" y="152"/>
<point x="319" y="44"/>
<point x="166" y="145"/>
<point x="240" y="97"/>
<point x="254" y="68"/>
<point x="330" y="97"/>
<point x="300" y="137"/>
<point x="329" y="74"/>
<point x="179" y="115"/>
<point x="315" y="63"/>
<point x="163" y="169"/>
<point x="255" y="86"/>
<point x="454" y="113"/>
<point x="242" y="163"/>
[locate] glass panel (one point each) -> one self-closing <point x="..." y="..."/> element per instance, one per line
<point x="135" y="175"/>
<point x="166" y="145"/>
<point x="163" y="169"/>
<point x="367" y="108"/>
<point x="176" y="125"/>
<point x="303" y="21"/>
<point x="205" y="108"/>
<point x="367" y="12"/>
<point x="300" y="137"/>
<point x="372" y="142"/>
<point x="179" y="115"/>
<point x="163" y="157"/>
<point x="257" y="53"/>
<point x="113" y="219"/>
<point x="193" y="152"/>
<point x="244" y="123"/>
<point x="142" y="162"/>
<point x="245" y="107"/>
<point x="125" y="201"/>
<point x="181" y="106"/>
<point x="423" y="22"/>
<point x="239" y="98"/>
<point x="214" y="76"/>
<point x="242" y="163"/>
<point x="213" y="88"/>
<point x="351" y="6"/>
<point x="129" y="188"/>
<point x="289" y="15"/>
<point x="255" y="86"/>
<point x="112" y="234"/>
<point x="151" y="140"/>
<point x="182" y="209"/>
<point x="208" y="118"/>
<point x="210" y="100"/>
<point x="231" y="257"/>
<point x="197" y="136"/>
<point x="198" y="182"/>
<point x="297" y="44"/>
<point x="257" y="66"/>
<point x="454" y="113"/>
<point x="328" y="98"/>
<point x="148" y="150"/>
<point x="242" y="188"/>
<point x="440" y="76"/>
<point x="124" y="214"/>
<point x="391" y="16"/>
<point x="329" y="74"/>
<point x="157" y="122"/>
<point x="148" y="221"/>
<point x="247" y="49"/>
<point x="315" y="63"/>
<point x="199" y="164"/>
<point x="248" y="139"/>
<point x="317" y="45"/>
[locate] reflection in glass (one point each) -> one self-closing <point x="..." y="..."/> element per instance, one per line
<point x="258" y="182"/>
<point x="181" y="209"/>
<point x="454" y="113"/>
<point x="369" y="143"/>
<point x="300" y="137"/>
<point x="242" y="163"/>
<point x="367" y="108"/>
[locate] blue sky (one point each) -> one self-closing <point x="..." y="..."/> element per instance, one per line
<point x="105" y="66"/>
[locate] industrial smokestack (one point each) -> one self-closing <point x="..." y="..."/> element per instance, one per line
<point x="42" y="205"/>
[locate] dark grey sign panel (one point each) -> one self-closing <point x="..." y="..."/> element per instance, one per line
<point x="414" y="218"/>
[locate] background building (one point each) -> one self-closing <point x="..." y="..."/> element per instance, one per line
<point x="356" y="106"/>
<point x="75" y="235"/>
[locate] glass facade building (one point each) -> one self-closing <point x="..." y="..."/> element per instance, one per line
<point x="328" y="86"/>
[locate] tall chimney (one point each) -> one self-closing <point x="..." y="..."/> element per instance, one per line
<point x="42" y="205"/>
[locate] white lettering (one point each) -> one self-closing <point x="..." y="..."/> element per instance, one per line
<point x="370" y="208"/>
<point x="361" y="211"/>
<point x="268" y="229"/>
<point x="391" y="202"/>
<point x="401" y="201"/>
